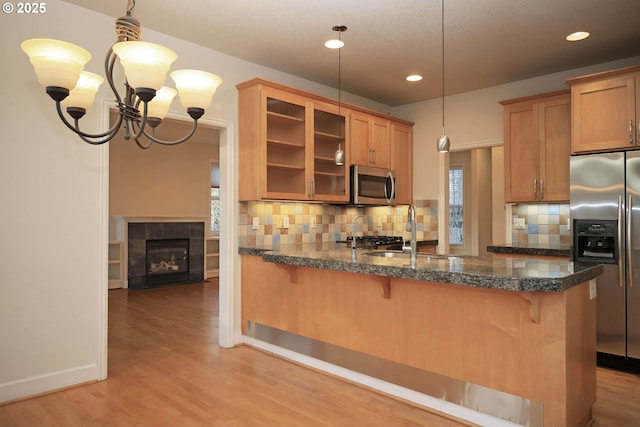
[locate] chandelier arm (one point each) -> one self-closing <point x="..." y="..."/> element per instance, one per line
<point x="109" y="62"/>
<point x="110" y="133"/>
<point x="142" y="124"/>
<point x="176" y="142"/>
<point x="141" y="145"/>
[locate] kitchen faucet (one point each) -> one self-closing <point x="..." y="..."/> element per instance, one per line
<point x="353" y="240"/>
<point x="411" y="226"/>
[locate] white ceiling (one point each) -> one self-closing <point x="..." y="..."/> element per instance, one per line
<point x="487" y="42"/>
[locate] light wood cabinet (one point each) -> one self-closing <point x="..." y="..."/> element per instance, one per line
<point x="537" y="148"/>
<point x="370" y="141"/>
<point x="402" y="162"/>
<point x="287" y="140"/>
<point x="287" y="144"/>
<point x="606" y="111"/>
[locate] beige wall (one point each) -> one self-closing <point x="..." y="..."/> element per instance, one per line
<point x="162" y="181"/>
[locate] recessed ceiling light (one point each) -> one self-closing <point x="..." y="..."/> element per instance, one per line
<point x="577" y="36"/>
<point x="414" y="78"/>
<point x="334" y="44"/>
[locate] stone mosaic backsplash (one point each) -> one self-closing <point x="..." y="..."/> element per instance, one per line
<point x="314" y="222"/>
<point x="543" y="223"/>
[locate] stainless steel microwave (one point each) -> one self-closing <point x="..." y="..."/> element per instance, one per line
<point x="372" y="186"/>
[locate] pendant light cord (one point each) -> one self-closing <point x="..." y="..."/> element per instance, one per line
<point x="443" y="67"/>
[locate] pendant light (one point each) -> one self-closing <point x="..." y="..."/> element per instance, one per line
<point x="339" y="155"/>
<point x="443" y="141"/>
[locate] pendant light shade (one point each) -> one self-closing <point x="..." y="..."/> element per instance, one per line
<point x="443" y="143"/>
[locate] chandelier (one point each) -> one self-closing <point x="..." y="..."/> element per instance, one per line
<point x="145" y="102"/>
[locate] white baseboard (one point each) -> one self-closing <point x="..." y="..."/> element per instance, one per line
<point x="32" y="386"/>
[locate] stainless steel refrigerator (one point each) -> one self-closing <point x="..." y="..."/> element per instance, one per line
<point x="605" y="216"/>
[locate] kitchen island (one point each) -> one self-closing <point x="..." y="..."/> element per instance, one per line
<point x="507" y="337"/>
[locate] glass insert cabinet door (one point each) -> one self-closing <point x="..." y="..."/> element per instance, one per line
<point x="329" y="179"/>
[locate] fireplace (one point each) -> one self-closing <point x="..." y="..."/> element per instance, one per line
<point x="163" y="253"/>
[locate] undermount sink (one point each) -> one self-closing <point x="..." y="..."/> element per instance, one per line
<point x="401" y="254"/>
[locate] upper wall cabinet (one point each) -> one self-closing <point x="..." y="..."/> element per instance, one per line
<point x="537" y="147"/>
<point x="287" y="140"/>
<point x="370" y="141"/>
<point x="606" y="111"/>
<point x="402" y="161"/>
<point x="287" y="144"/>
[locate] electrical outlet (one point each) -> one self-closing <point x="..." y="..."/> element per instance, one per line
<point x="256" y="222"/>
<point x="285" y="221"/>
<point x="569" y="224"/>
<point x="313" y="221"/>
<point x="518" y="223"/>
<point x="379" y="222"/>
<point x="593" y="290"/>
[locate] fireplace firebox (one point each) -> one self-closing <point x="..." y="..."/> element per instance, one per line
<point x="167" y="261"/>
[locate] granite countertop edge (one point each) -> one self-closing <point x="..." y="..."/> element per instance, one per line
<point x="475" y="279"/>
<point x="525" y="250"/>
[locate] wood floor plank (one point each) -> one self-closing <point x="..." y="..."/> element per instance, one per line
<point x="166" y="369"/>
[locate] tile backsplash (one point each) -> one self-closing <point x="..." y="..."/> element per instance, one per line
<point x="313" y="222"/>
<point x="543" y="223"/>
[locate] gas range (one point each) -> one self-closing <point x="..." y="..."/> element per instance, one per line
<point x="373" y="242"/>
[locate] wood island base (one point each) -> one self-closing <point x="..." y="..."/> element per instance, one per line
<point x="539" y="346"/>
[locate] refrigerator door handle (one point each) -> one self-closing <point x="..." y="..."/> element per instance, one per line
<point x="629" y="240"/>
<point x="620" y="255"/>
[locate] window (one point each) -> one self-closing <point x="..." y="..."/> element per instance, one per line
<point x="456" y="206"/>
<point x="214" y="227"/>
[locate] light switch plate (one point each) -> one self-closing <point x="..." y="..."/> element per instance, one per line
<point x="285" y="221"/>
<point x="256" y="222"/>
<point x="379" y="222"/>
<point x="593" y="290"/>
<point x="313" y="221"/>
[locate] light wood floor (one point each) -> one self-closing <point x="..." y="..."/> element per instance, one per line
<point x="165" y="369"/>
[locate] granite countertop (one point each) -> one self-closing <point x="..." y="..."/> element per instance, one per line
<point x="512" y="274"/>
<point x="532" y="249"/>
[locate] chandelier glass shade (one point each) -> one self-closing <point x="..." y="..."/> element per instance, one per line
<point x="59" y="68"/>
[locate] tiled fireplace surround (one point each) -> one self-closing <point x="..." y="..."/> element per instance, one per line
<point x="140" y="232"/>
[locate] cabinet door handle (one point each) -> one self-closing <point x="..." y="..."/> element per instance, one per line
<point x="630" y="132"/>
<point x="309" y="187"/>
<point x="542" y="189"/>
<point x="535" y="189"/>
<point x="313" y="188"/>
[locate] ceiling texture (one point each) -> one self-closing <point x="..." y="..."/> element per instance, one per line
<point x="487" y="42"/>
